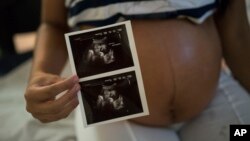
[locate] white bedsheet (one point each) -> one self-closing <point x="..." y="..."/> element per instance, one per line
<point x="18" y="125"/>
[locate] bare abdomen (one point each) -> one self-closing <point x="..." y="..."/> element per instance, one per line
<point x="180" y="64"/>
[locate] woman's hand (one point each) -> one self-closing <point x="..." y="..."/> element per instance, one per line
<point x="43" y="100"/>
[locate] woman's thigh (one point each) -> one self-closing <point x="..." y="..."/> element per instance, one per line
<point x="231" y="105"/>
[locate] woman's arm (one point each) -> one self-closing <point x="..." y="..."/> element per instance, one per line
<point x="50" y="56"/>
<point x="234" y="31"/>
<point x="50" y="52"/>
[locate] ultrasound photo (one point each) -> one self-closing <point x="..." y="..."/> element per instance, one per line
<point x="111" y="97"/>
<point x="106" y="62"/>
<point x="101" y="51"/>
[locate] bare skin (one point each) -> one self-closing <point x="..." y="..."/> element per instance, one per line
<point x="180" y="68"/>
<point x="234" y="30"/>
<point x="180" y="64"/>
<point x="50" y="56"/>
<point x="175" y="67"/>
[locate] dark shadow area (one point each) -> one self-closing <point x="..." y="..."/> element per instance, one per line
<point x="17" y="16"/>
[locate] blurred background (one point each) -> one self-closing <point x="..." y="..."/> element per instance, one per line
<point x="19" y="22"/>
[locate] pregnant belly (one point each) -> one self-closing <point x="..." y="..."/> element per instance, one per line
<point x="180" y="64"/>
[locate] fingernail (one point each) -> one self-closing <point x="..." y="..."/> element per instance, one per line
<point x="77" y="87"/>
<point x="75" y="79"/>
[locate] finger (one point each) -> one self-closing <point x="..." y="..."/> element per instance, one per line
<point x="45" y="118"/>
<point x="63" y="100"/>
<point x="50" y="92"/>
<point x="45" y="80"/>
<point x="57" y="105"/>
<point x="64" y="84"/>
<point x="33" y="92"/>
<point x="52" y="79"/>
